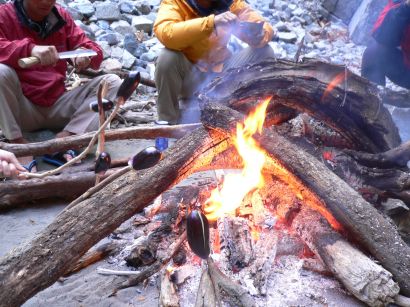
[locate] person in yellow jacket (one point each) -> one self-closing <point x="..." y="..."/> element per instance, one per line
<point x="195" y="34"/>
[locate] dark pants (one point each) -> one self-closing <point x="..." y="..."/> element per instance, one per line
<point x="380" y="61"/>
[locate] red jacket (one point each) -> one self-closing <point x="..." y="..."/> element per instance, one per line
<point x="392" y="27"/>
<point x="42" y="85"/>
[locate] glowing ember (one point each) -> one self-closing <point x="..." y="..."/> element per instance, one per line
<point x="236" y="186"/>
<point x="340" y="77"/>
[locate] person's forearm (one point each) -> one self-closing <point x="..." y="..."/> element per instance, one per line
<point x="12" y="51"/>
<point x="393" y="27"/>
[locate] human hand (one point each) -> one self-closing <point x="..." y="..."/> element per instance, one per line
<point x="225" y="19"/>
<point x="9" y="165"/>
<point x="80" y="63"/>
<point x="47" y="55"/>
<point x="251" y="32"/>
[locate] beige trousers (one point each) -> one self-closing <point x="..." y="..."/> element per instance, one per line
<point x="70" y="112"/>
<point x="177" y="78"/>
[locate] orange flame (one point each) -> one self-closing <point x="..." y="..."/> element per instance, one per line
<point x="340" y="77"/>
<point x="236" y="186"/>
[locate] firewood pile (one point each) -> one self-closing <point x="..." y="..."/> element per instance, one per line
<point x="333" y="160"/>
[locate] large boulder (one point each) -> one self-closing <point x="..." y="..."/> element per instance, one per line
<point x="343" y="9"/>
<point x="361" y="24"/>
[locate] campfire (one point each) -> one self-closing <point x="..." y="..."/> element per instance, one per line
<point x="303" y="152"/>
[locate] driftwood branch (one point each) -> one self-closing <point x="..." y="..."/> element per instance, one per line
<point x="46" y="188"/>
<point x="80" y="141"/>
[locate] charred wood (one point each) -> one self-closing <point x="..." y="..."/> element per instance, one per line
<point x="393" y="158"/>
<point x="265" y="249"/>
<point x="236" y="239"/>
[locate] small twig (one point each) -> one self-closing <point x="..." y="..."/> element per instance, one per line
<point x="300" y="48"/>
<point x="103" y="271"/>
<point x="102" y="91"/>
<point x="80" y="156"/>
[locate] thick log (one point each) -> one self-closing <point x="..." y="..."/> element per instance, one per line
<point x="365" y="279"/>
<point x="42" y="261"/>
<point x="80" y="141"/>
<point x="396" y="157"/>
<point x="320" y="188"/>
<point x="330" y="93"/>
<point x="68" y="186"/>
<point x="368" y="180"/>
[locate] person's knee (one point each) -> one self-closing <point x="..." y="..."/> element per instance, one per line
<point x="166" y="60"/>
<point x="7" y="72"/>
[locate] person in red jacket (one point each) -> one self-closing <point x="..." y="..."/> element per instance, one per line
<point x="388" y="53"/>
<point x="36" y="98"/>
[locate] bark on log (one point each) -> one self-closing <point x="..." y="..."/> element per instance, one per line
<point x="396" y="157"/>
<point x="79" y="141"/>
<point x="320" y="188"/>
<point x="42" y="261"/>
<point x="330" y="93"/>
<point x="363" y="278"/>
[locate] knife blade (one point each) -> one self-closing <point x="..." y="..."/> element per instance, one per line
<point x="76" y="53"/>
<point x="30" y="61"/>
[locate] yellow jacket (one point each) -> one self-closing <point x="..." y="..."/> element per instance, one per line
<point x="179" y="27"/>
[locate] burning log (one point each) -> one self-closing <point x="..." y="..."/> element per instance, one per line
<point x="320" y="188"/>
<point x="80" y="141"/>
<point x="266" y="249"/>
<point x="145" y="252"/>
<point x="237" y="240"/>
